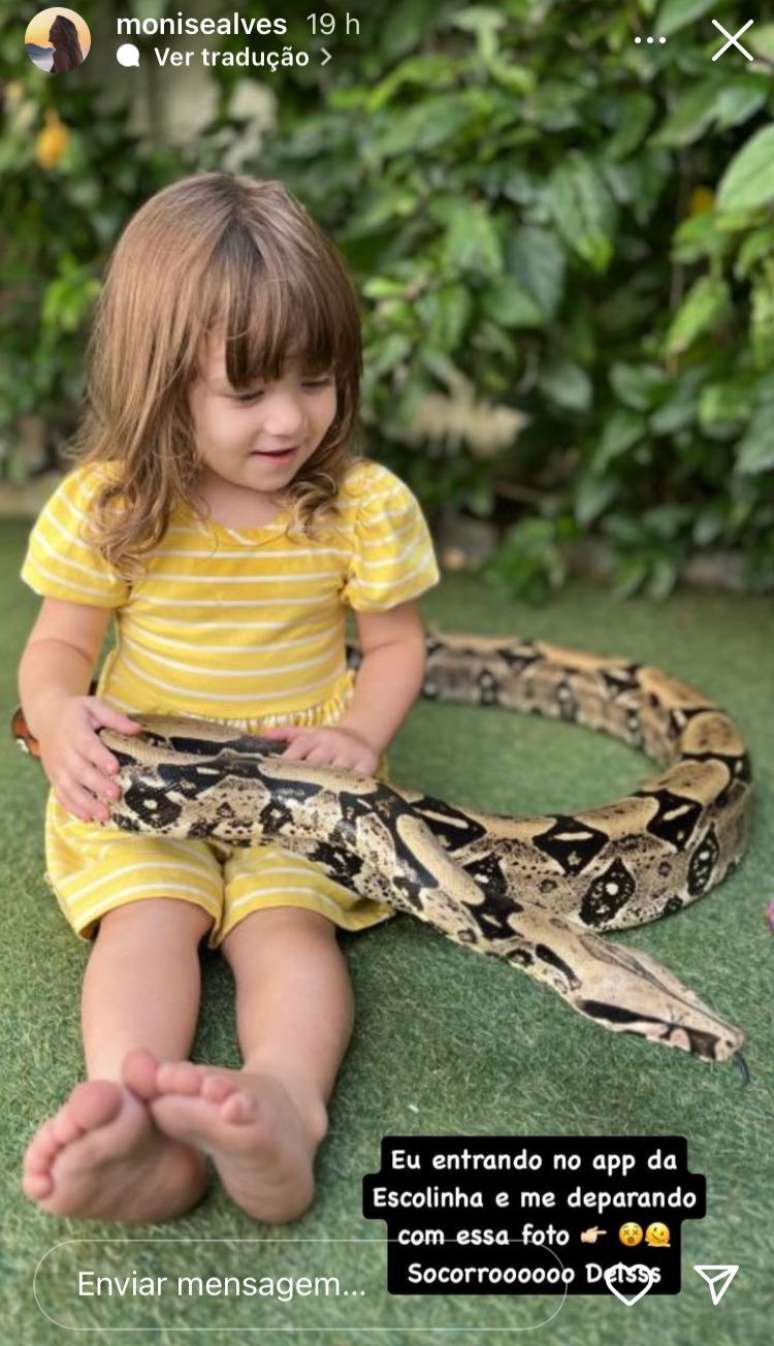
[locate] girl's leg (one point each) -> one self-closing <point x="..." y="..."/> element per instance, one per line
<point x="294" y="1004"/>
<point x="102" y="1156"/>
<point x="142" y="983"/>
<point x="263" y="1124"/>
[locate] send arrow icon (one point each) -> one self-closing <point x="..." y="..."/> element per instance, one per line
<point x="718" y="1279"/>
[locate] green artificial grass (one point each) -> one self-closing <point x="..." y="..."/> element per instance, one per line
<point x="446" y="1043"/>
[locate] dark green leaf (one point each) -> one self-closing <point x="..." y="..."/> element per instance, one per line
<point x="676" y="14"/>
<point x="446" y="313"/>
<point x="755" y="452"/>
<point x="709" y="524"/>
<point x="536" y="259"/>
<point x="726" y="401"/>
<point x="762" y="316"/>
<point x="554" y="105"/>
<point x="509" y="303"/>
<point x="680" y="407"/>
<point x="756" y="246"/>
<point x="472" y="242"/>
<point x="705" y="304"/>
<point x="566" y="384"/>
<point x="405" y="24"/>
<point x="391" y="350"/>
<point x="583" y="209"/>
<point x="428" y="124"/>
<point x="699" y="236"/>
<point x="433" y="71"/>
<point x="622" y="431"/>
<point x="593" y="494"/>
<point x="691" y="114"/>
<point x="666" y="521"/>
<point x="638" y="386"/>
<point x="636" y="114"/>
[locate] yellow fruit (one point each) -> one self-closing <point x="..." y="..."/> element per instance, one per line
<point x="52" y="140"/>
<point x="700" y="201"/>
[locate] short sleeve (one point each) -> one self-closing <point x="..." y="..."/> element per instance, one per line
<point x="59" y="564"/>
<point x="392" y="557"/>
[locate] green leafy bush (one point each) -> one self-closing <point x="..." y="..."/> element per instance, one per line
<point x="582" y="227"/>
<point x="71" y="175"/>
<point x="563" y="241"/>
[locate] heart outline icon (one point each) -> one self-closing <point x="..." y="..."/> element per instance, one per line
<point x="630" y="1300"/>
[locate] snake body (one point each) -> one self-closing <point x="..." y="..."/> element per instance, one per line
<point x="537" y="891"/>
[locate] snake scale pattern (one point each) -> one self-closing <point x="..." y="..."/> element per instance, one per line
<point x="536" y="891"/>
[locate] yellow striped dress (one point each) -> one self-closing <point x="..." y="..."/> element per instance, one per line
<point x="245" y="627"/>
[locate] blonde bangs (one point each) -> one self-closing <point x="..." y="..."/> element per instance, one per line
<point x="270" y="315"/>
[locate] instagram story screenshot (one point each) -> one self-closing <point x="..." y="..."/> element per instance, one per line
<point x="386" y="404"/>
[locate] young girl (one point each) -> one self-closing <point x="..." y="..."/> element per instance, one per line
<point x="218" y="513"/>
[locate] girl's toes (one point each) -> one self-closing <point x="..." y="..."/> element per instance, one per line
<point x="36" y="1170"/>
<point x="217" y="1087"/>
<point x="179" y="1077"/>
<point x="64" y="1127"/>
<point x="239" y="1108"/>
<point x="139" y="1072"/>
<point x="42" y="1148"/>
<point x="37" y="1185"/>
<point x="36" y="1163"/>
<point x="94" y="1103"/>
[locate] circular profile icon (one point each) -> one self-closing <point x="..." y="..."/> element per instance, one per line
<point x="57" y="39"/>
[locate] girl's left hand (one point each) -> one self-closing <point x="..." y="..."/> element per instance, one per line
<point x="326" y="746"/>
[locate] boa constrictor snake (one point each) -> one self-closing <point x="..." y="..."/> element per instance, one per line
<point x="536" y="891"/>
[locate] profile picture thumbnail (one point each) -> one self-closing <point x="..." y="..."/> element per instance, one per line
<point x="57" y="40"/>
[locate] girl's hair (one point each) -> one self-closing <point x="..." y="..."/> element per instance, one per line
<point x="68" y="46"/>
<point x="213" y="254"/>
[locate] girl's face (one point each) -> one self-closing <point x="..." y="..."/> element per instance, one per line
<point x="258" y="440"/>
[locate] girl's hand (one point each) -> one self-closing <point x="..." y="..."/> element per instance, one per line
<point x="326" y="746"/>
<point x="79" y="767"/>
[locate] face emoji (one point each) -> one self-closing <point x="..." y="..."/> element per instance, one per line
<point x="657" y="1235"/>
<point x="630" y="1234"/>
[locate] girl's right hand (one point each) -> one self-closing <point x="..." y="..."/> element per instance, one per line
<point x="78" y="765"/>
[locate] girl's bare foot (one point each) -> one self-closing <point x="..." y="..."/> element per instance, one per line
<point x="103" y="1158"/>
<point x="262" y="1146"/>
